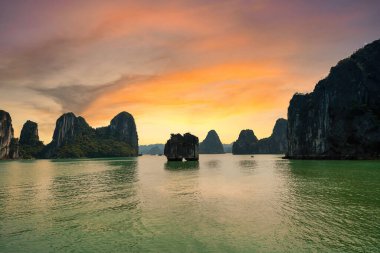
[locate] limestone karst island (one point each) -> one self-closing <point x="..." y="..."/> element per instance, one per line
<point x="189" y="126"/>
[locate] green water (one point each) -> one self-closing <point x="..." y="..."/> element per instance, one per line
<point x="224" y="203"/>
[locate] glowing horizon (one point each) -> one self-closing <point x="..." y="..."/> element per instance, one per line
<point x="188" y="66"/>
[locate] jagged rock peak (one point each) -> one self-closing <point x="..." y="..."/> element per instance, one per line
<point x="29" y="133"/>
<point x="340" y="119"/>
<point x="67" y="126"/>
<point x="7" y="142"/>
<point x="211" y="144"/>
<point x="123" y="126"/>
<point x="246" y="142"/>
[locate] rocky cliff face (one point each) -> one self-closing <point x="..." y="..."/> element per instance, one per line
<point x="211" y="144"/>
<point x="277" y="143"/>
<point x="340" y="119"/>
<point x="67" y="127"/>
<point x="245" y="144"/>
<point x="29" y="133"/>
<point x="180" y="147"/>
<point x="8" y="145"/>
<point x="30" y="145"/>
<point x="73" y="137"/>
<point x="123" y="127"/>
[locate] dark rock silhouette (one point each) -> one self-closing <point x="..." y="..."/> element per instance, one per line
<point x="180" y="147"/>
<point x="123" y="128"/>
<point x="73" y="137"/>
<point x="8" y="144"/>
<point x="30" y="145"/>
<point x="340" y="119"/>
<point x="211" y="144"/>
<point x="277" y="143"/>
<point x="29" y="133"/>
<point x="245" y="144"/>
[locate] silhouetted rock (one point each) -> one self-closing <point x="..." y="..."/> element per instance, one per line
<point x="180" y="147"/>
<point x="73" y="137"/>
<point x="245" y="144"/>
<point x="211" y="144"/>
<point x="123" y="128"/>
<point x="29" y="133"/>
<point x="340" y="119"/>
<point x="30" y="145"/>
<point x="8" y="145"/>
<point x="277" y="143"/>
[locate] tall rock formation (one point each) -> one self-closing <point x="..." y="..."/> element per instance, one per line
<point x="30" y="145"/>
<point x="211" y="144"/>
<point x="73" y="137"/>
<point x="277" y="143"/>
<point x="123" y="128"/>
<point x="340" y="119"/>
<point x="180" y="147"/>
<point x="8" y="145"/>
<point x="245" y="144"/>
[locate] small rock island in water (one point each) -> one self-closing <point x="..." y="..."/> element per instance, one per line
<point x="180" y="147"/>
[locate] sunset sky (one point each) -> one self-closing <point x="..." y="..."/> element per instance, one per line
<point x="177" y="66"/>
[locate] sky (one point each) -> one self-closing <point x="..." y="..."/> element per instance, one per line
<point x="176" y="66"/>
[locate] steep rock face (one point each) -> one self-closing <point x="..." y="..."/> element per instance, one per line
<point x="211" y="144"/>
<point x="69" y="126"/>
<point x="180" y="147"/>
<point x="123" y="127"/>
<point x="8" y="145"/>
<point x="29" y="133"/>
<point x="246" y="143"/>
<point x="277" y="143"/>
<point x="30" y="145"/>
<point x="73" y="137"/>
<point x="340" y="119"/>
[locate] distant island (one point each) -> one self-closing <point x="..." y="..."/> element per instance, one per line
<point x="72" y="138"/>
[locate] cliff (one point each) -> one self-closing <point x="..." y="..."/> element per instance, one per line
<point x="340" y="119"/>
<point x="245" y="144"/>
<point x="211" y="144"/>
<point x="180" y="147"/>
<point x="30" y="145"/>
<point x="73" y="137"/>
<point x="8" y="144"/>
<point x="277" y="143"/>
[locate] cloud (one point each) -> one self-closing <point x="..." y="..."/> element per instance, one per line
<point x="76" y="98"/>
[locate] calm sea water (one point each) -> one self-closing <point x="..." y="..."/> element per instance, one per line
<point x="224" y="203"/>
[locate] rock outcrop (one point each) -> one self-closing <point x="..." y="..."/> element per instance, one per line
<point x="8" y="144"/>
<point x="245" y="144"/>
<point x="211" y="144"/>
<point x="340" y="119"/>
<point x="123" y="128"/>
<point x="277" y="143"/>
<point x="30" y="145"/>
<point x="180" y="147"/>
<point x="73" y="137"/>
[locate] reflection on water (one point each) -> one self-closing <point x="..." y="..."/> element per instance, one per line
<point x="178" y="165"/>
<point x="222" y="203"/>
